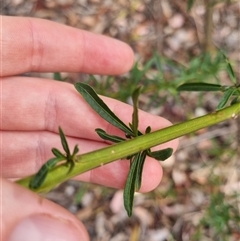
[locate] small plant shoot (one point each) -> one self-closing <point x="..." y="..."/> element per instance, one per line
<point x="136" y="146"/>
<point x="69" y="159"/>
<point x="137" y="160"/>
<point x="228" y="91"/>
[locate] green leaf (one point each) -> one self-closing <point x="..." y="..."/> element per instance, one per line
<point x="100" y="107"/>
<point x="190" y="4"/>
<point x="57" y="76"/>
<point x="107" y="137"/>
<point x="137" y="74"/>
<point x="64" y="142"/>
<point x="57" y="153"/>
<point x="230" y="70"/>
<point x="140" y="164"/>
<point x="199" y="87"/>
<point x="134" y="124"/>
<point x="75" y="150"/>
<point x="161" y="155"/>
<point x="227" y="95"/>
<point x="128" y="194"/>
<point x="148" y="130"/>
<point x="39" y="178"/>
<point x="70" y="162"/>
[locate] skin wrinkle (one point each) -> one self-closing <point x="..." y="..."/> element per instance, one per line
<point x="50" y="113"/>
<point x="37" y="48"/>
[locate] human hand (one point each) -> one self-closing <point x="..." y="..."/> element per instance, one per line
<point x="32" y="109"/>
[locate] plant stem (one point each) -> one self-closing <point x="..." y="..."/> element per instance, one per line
<point x="91" y="160"/>
<point x="208" y="45"/>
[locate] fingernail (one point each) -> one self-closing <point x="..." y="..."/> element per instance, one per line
<point x="46" y="228"/>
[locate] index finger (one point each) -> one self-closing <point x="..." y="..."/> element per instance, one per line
<point x="37" y="45"/>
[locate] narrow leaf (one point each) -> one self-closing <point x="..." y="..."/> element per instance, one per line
<point x="64" y="142"/>
<point x="39" y="178"/>
<point x="225" y="98"/>
<point x="107" y="137"/>
<point x="140" y="164"/>
<point x="57" y="153"/>
<point x="199" y="87"/>
<point x="148" y="130"/>
<point x="100" y="107"/>
<point x="75" y="150"/>
<point x="70" y="162"/>
<point x="134" y="124"/>
<point x="230" y="70"/>
<point x="161" y="155"/>
<point x="128" y="194"/>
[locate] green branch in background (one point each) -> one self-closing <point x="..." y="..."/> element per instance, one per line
<point x="228" y="91"/>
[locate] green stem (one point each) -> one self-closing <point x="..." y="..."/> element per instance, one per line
<point x="88" y="161"/>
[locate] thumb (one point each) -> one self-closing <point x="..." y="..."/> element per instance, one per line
<point x="27" y="216"/>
